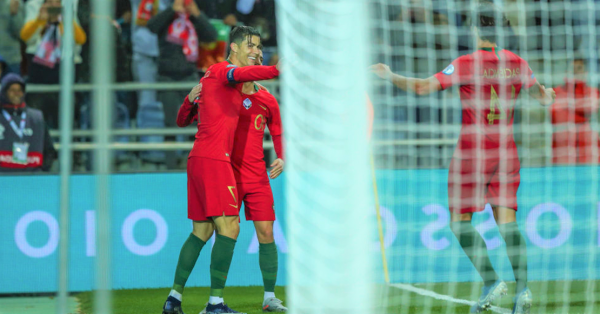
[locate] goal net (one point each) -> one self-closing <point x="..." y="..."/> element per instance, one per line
<point x="415" y="138"/>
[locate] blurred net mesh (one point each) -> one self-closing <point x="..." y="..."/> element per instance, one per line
<point x="415" y="137"/>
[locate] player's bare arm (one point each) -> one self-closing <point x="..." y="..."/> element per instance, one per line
<point x="542" y="94"/>
<point x="277" y="168"/>
<point x="415" y="85"/>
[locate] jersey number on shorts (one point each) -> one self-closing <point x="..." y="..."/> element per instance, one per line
<point x="495" y="105"/>
<point x="233" y="195"/>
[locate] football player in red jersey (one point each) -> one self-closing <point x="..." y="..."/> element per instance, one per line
<point x="260" y="109"/>
<point x="212" y="189"/>
<point x="485" y="165"/>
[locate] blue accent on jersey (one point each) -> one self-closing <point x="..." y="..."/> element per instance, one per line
<point x="449" y="69"/>
<point x="230" y="76"/>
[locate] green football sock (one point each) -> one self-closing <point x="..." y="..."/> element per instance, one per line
<point x="220" y="260"/>
<point x="516" y="249"/>
<point x="474" y="247"/>
<point x="187" y="259"/>
<point x="267" y="259"/>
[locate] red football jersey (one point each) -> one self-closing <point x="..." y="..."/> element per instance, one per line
<point x="490" y="82"/>
<point x="258" y="110"/>
<point x="219" y="107"/>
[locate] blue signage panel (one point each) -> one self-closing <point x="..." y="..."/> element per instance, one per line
<point x="559" y="214"/>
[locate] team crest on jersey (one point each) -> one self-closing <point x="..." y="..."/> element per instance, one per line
<point x="449" y="70"/>
<point x="247" y="103"/>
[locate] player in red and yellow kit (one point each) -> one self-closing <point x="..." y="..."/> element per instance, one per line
<point x="259" y="110"/>
<point x="212" y="189"/>
<point x="485" y="165"/>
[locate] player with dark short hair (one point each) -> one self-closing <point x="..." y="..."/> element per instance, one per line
<point x="485" y="165"/>
<point x="260" y="110"/>
<point x="213" y="201"/>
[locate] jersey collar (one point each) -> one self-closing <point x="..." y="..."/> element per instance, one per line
<point x="492" y="49"/>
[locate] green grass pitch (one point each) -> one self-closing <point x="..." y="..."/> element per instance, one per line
<point x="549" y="297"/>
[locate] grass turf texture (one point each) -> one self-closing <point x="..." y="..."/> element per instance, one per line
<point x="143" y="301"/>
<point x="548" y="297"/>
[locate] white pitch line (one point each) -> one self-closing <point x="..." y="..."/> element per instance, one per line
<point x="444" y="297"/>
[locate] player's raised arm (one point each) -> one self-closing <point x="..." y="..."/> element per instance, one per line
<point x="536" y="90"/>
<point x="251" y="73"/>
<point x="415" y="85"/>
<point x="542" y="94"/>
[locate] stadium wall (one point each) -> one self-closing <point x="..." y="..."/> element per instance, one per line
<point x="559" y="205"/>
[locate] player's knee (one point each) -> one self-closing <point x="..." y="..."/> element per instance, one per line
<point x="203" y="231"/>
<point x="457" y="228"/>
<point x="230" y="229"/>
<point x="203" y="235"/>
<point x="265" y="234"/>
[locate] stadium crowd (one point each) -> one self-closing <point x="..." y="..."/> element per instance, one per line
<point x="150" y="50"/>
<point x="30" y="39"/>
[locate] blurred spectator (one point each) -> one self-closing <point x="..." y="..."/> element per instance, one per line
<point x="144" y="47"/>
<point x="12" y="17"/>
<point x="3" y="67"/>
<point x="122" y="36"/>
<point x="220" y="9"/>
<point x="260" y="14"/>
<point x="574" y="140"/>
<point x="214" y="52"/>
<point x="124" y="53"/>
<point x="32" y="11"/>
<point x="179" y="28"/>
<point x="144" y="66"/>
<point x="43" y="31"/>
<point x="25" y="143"/>
<point x="223" y="16"/>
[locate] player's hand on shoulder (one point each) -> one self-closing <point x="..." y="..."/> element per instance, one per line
<point x="195" y="93"/>
<point x="381" y="70"/>
<point x="276" y="168"/>
<point x="262" y="87"/>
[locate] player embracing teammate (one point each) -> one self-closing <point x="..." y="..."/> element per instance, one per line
<point x="213" y="201"/>
<point x="485" y="165"/>
<point x="260" y="110"/>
